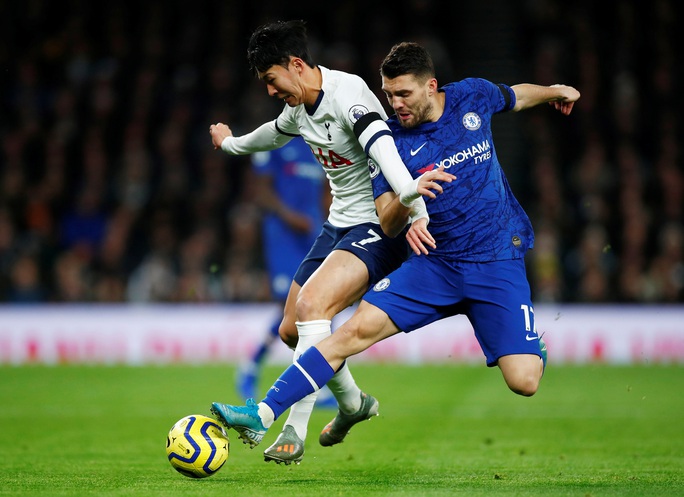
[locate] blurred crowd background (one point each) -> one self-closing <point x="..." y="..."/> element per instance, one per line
<point x="110" y="189"/>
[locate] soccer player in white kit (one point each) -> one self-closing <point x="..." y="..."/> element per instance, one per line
<point x="344" y="124"/>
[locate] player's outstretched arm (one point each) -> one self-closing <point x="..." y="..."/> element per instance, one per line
<point x="265" y="137"/>
<point x="562" y="97"/>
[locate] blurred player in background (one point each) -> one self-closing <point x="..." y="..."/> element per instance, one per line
<point x="476" y="266"/>
<point x="293" y="194"/>
<point x="343" y="122"/>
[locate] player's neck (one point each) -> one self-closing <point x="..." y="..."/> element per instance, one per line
<point x="438" y="106"/>
<point x="313" y="83"/>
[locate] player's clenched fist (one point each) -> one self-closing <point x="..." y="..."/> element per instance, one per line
<point x="219" y="132"/>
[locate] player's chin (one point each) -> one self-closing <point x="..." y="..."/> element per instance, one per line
<point x="407" y="121"/>
<point x="289" y="100"/>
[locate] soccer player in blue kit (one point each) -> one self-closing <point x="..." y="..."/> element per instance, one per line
<point x="343" y="122"/>
<point x="474" y="267"/>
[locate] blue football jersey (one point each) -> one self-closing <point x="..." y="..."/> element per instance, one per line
<point x="477" y="218"/>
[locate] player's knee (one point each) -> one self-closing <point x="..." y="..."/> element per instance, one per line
<point x="524" y="383"/>
<point x="288" y="334"/>
<point x="521" y="372"/>
<point x="307" y="306"/>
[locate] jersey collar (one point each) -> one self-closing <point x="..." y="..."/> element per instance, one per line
<point x="311" y="111"/>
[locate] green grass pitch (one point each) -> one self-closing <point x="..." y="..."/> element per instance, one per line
<point x="442" y="430"/>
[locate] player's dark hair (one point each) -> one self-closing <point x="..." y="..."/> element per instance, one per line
<point x="408" y="58"/>
<point x="274" y="43"/>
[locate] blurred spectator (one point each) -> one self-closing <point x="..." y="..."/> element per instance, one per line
<point x="26" y="286"/>
<point x="154" y="279"/>
<point x="73" y="278"/>
<point x="245" y="277"/>
<point x="666" y="271"/>
<point x="84" y="226"/>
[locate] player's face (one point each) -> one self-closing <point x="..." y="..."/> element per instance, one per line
<point x="283" y="83"/>
<point x="410" y="99"/>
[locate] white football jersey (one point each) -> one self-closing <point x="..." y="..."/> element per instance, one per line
<point x="328" y="129"/>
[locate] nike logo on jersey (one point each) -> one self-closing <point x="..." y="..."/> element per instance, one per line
<point x="355" y="244"/>
<point x="414" y="152"/>
<point x="530" y="338"/>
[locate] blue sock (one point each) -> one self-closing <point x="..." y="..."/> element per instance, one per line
<point x="293" y="384"/>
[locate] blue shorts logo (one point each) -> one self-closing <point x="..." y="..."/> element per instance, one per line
<point x="472" y="121"/>
<point x="381" y="285"/>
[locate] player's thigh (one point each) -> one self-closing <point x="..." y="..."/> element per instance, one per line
<point x="380" y="254"/>
<point x="423" y="290"/>
<point x="339" y="282"/>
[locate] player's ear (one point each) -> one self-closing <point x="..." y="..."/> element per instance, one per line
<point x="432" y="87"/>
<point x="297" y="63"/>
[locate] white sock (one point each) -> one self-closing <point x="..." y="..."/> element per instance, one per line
<point x="266" y="414"/>
<point x="310" y="333"/>
<point x="345" y="390"/>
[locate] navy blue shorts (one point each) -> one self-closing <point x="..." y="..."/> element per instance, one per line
<point x="495" y="296"/>
<point x="380" y="253"/>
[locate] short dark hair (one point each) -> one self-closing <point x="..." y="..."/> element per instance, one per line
<point x="408" y="58"/>
<point x="273" y="44"/>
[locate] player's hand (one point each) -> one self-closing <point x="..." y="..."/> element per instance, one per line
<point x="418" y="237"/>
<point x="219" y="132"/>
<point x="428" y="182"/>
<point x="424" y="185"/>
<point x="567" y="100"/>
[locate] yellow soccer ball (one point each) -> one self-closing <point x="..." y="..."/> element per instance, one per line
<point x="197" y="446"/>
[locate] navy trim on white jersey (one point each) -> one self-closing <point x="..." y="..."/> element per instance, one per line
<point x="374" y="138"/>
<point x="311" y="111"/>
<point x="283" y="132"/>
